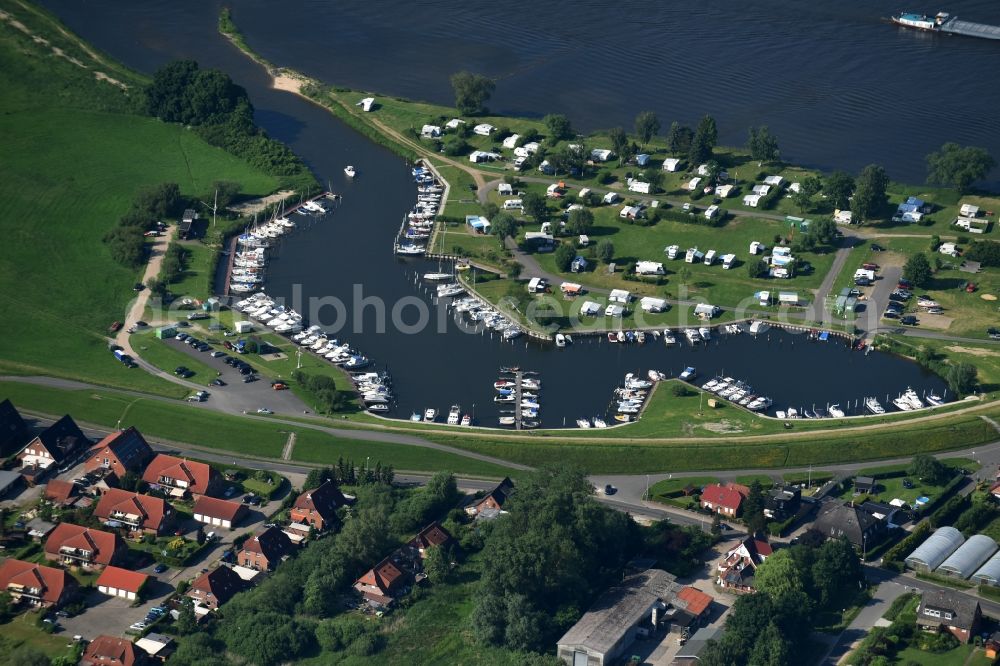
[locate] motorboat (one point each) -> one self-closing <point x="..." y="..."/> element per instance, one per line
<point x="531" y="384"/>
<point x="710" y="384"/>
<point x="758" y="327"/>
<point x="874" y="406"/>
<point x="668" y="338"/>
<point x="692" y="336"/>
<point x="454" y="414"/>
<point x="437" y="277"/>
<point x="350" y="171"/>
<point x="512" y="332"/>
<point x="688" y="374"/>
<point x="656" y="376"/>
<point x="902" y="404"/>
<point x="599" y="423"/>
<point x="582" y="423"/>
<point x="504" y="398"/>
<point x="504" y="384"/>
<point x="835" y="411"/>
<point x="430" y="414"/>
<point x="560" y="340"/>
<point x="410" y="249"/>
<point x="449" y="290"/>
<point x="378" y="407"/>
<point x="415" y="417"/>
<point x="705" y="333"/>
<point x="934" y="399"/>
<point x="623" y="418"/>
<point x="913" y="398"/>
<point x="507" y="420"/>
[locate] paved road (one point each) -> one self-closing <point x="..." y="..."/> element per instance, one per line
<point x="885" y="594"/>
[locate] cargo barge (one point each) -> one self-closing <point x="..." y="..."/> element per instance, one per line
<point x="945" y="23"/>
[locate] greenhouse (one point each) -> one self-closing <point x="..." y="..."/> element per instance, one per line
<point x="989" y="573"/>
<point x="935" y="550"/>
<point x="969" y="557"/>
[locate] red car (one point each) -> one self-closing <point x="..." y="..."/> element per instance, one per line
<point x="115" y="327"/>
<point x="278" y="386"/>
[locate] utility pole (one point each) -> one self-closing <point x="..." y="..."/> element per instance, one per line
<point x="214" y="207"/>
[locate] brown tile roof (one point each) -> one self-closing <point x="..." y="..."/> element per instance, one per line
<point x="272" y="543"/>
<point x="697" y="601"/>
<point x="385" y="576"/>
<point x="103" y="545"/>
<point x="222" y="583"/>
<point x="324" y="500"/>
<point x="52" y="581"/>
<point x="432" y="535"/>
<point x="198" y="475"/>
<point x="219" y="508"/>
<point x="107" y="650"/>
<point x="58" y="491"/>
<point x="152" y="509"/>
<point x="122" y="579"/>
<point x="500" y="493"/>
<point x="128" y="447"/>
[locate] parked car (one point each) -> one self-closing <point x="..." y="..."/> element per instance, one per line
<point x="877" y="248"/>
<point x="909" y="320"/>
<point x="249" y="378"/>
<point x="994" y="333"/>
<point x="138" y="286"/>
<point x="180" y="370"/>
<point x="160" y="568"/>
<point x="891" y="314"/>
<point x="264" y="410"/>
<point x="217" y="353"/>
<point x="279" y="386"/>
<point x="907" y="483"/>
<point x="217" y="382"/>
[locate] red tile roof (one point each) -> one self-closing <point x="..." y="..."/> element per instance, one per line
<point x="726" y="496"/>
<point x="324" y="500"/>
<point x="108" y="650"/>
<point x="197" y="475"/>
<point x="59" y="491"/>
<point x="103" y="545"/>
<point x="384" y="575"/>
<point x="763" y="548"/>
<point x="432" y="535"/>
<point x="152" y="509"/>
<point x="218" y="508"/>
<point x="222" y="583"/>
<point x="52" y="581"/>
<point x="122" y="579"/>
<point x="697" y="601"/>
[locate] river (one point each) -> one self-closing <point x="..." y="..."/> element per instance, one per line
<point x="351" y="249"/>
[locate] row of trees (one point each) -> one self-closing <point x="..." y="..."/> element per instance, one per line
<point x="345" y="472"/>
<point x="151" y="204"/>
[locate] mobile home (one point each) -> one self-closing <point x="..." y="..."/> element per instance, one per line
<point x="728" y="260"/>
<point x="693" y="255"/>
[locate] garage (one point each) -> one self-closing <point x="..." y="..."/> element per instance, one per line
<point x="218" y="513"/>
<point x="118" y="582"/>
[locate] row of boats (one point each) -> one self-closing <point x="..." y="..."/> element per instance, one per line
<point x="694" y="335"/>
<point x="737" y="392"/>
<point x="906" y="401"/>
<point x="472" y="308"/>
<point x="518" y="393"/>
<point x="455" y="416"/>
<point x="419" y="222"/>
<point x="629" y="399"/>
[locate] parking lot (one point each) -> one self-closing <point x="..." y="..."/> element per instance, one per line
<point x="113" y="615"/>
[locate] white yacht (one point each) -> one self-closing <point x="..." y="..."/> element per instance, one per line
<point x="874" y="406"/>
<point x="350" y="171"/>
<point x="454" y="414"/>
<point x="705" y="333"/>
<point x="582" y="423"/>
<point x="835" y="411"/>
<point x="934" y="399"/>
<point x="668" y="338"/>
<point x="758" y="327"/>
<point x="688" y="374"/>
<point x="599" y="423"/>
<point x="437" y="277"/>
<point x="430" y="414"/>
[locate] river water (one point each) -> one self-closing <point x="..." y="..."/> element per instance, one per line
<point x="351" y="249"/>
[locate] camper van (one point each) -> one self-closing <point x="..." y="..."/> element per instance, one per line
<point x="693" y="255"/>
<point x="710" y="257"/>
<point x="672" y="251"/>
<point x="728" y="260"/>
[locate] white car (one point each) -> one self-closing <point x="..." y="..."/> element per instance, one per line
<point x="264" y="410"/>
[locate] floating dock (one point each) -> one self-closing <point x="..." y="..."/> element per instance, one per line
<point x="970" y="29"/>
<point x="947" y="24"/>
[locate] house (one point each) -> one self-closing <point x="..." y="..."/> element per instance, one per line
<point x="691" y="653"/>
<point x="118" y="582"/>
<point x="157" y="646"/>
<point x="317" y="508"/>
<point x="430" y="537"/>
<point x="13" y="430"/>
<point x="61" y="493"/>
<point x="751" y="200"/>
<point x="782" y="503"/>
<point x="673" y="164"/>
<point x="653" y="304"/>
<point x="492" y="503"/>
<point x="113" y="651"/>
<point x="619" y="296"/>
<point x="120" y="452"/>
<point x="9" y="481"/>
<point x="367" y="104"/>
<point x="36" y="584"/>
<point x="219" y="512"/>
<point x="430" y="131"/>
<point x="454" y="123"/>
<point x="601" y="154"/>
<point x="947" y="610"/>
<point x="483" y="129"/>
<point x="578" y="265"/>
<point x="649" y="268"/>
<point x="381" y="583"/>
<point x="619" y="616"/>
<point x="865" y="484"/>
<point x="968" y="210"/>
<point x="55" y="446"/>
<point x="264" y="550"/>
<point x="838" y="520"/>
<point x="736" y="570"/>
<point x="693" y="605"/>
<point x="75" y="545"/>
<point x="610" y="198"/>
<point x="180" y="477"/>
<point x="724" y="500"/>
<point x="39" y="529"/>
<point x="214" y="588"/>
<point x="138" y="513"/>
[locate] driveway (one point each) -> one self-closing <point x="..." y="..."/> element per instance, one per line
<point x="113" y="615"/>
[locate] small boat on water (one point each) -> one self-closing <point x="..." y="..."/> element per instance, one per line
<point x="692" y="336"/>
<point x="531" y="384"/>
<point x="902" y="404"/>
<point x="415" y="417"/>
<point x="874" y="406"/>
<point x="562" y="340"/>
<point x="835" y="411"/>
<point x="507" y="420"/>
<point x="934" y="399"/>
<point x="688" y="374"/>
<point x="599" y="423"/>
<point x="582" y="423"/>
<point x="437" y="277"/>
<point x="411" y="250"/>
<point x="911" y="396"/>
<point x="350" y="171"/>
<point x="454" y="414"/>
<point x="758" y="327"/>
<point x="705" y="333"/>
<point x="466" y="420"/>
<point x="430" y="414"/>
<point x="503" y="384"/>
<point x="623" y="418"/>
<point x="378" y="407"/>
<point x="668" y="338"/>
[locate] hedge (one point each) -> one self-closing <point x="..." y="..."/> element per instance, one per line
<point x="899" y="552"/>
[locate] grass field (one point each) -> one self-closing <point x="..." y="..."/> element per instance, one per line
<point x="167" y="357"/>
<point x="24" y="630"/>
<point x="74" y="159"/>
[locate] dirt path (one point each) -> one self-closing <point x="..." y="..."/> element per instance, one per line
<point x="156" y="254"/>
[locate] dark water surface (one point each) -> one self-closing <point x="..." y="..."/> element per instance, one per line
<point x="352" y="247"/>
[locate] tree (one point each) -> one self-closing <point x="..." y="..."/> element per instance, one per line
<point x="472" y="91"/>
<point x="558" y="126"/>
<point x="606" y="251"/>
<point x="157" y="287"/>
<point x="762" y="145"/>
<point x="647" y="125"/>
<point x="437" y="564"/>
<point x="619" y="142"/>
<point x="812" y="185"/>
<point x="581" y="220"/>
<point x="771" y="648"/>
<point x="716" y="528"/>
<point x="825" y="230"/>
<point x="564" y="256"/>
<point x="838" y="187"/>
<point x="187" y="623"/>
<point x="504" y="226"/>
<point x="535" y="206"/>
<point x="837" y="573"/>
<point x="455" y="145"/>
<point x="27" y="655"/>
<point x="929" y="469"/>
<point x="918" y="270"/>
<point x="962" y="378"/>
<point x="679" y="138"/>
<point x="958" y="166"/>
<point x="802" y="200"/>
<point x="705" y="137"/>
<point x="199" y="649"/>
<point x="753" y="509"/>
<point x="757" y="268"/>
<point x="707" y="128"/>
<point x="985" y="252"/>
<point x="869" y="193"/>
<point x="779" y="576"/>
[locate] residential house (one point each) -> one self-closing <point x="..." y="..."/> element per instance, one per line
<point x="120" y="452"/>
<point x="317" y="508"/>
<point x="157" y="646"/>
<point x="264" y="550"/>
<point x="951" y="611"/>
<point x="75" y="545"/>
<point x="736" y="570"/>
<point x="118" y="582"/>
<point x="180" y="477"/>
<point x="861" y="528"/>
<point x="691" y="653"/>
<point x="13" y="430"/>
<point x="138" y="513"/>
<point x="431" y="536"/>
<point x="214" y="588"/>
<point x="491" y="505"/>
<point x="724" y="500"/>
<point x="782" y="503"/>
<point x="55" y="446"/>
<point x="36" y="584"/>
<point x="380" y="584"/>
<point x="113" y="651"/>
<point x="623" y="613"/>
<point x="218" y="512"/>
<point x="61" y="493"/>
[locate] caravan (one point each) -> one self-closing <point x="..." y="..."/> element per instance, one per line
<point x="727" y="261"/>
<point x="693" y="255"/>
<point x="672" y="251"/>
<point x="710" y="257"/>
